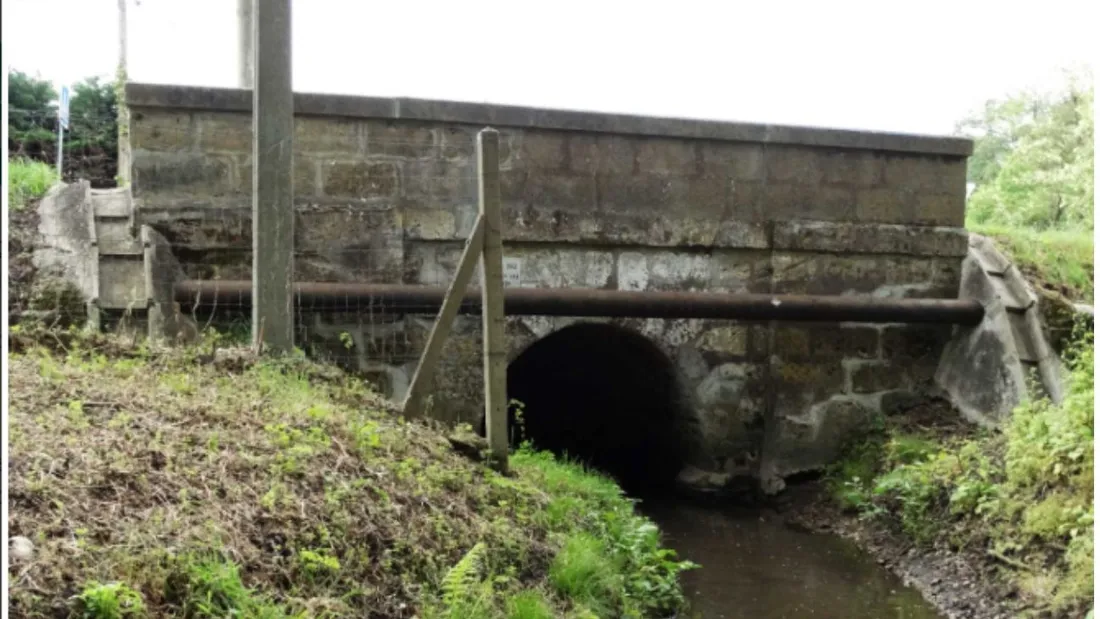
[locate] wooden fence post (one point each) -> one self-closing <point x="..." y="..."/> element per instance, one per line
<point x="492" y="297"/>
<point x="425" y="368"/>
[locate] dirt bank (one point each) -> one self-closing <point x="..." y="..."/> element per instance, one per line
<point x="959" y="585"/>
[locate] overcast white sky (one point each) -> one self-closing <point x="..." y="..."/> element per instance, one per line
<point x="904" y="66"/>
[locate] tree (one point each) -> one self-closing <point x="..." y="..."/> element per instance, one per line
<point x="93" y="115"/>
<point x="32" y="115"/>
<point x="1033" y="158"/>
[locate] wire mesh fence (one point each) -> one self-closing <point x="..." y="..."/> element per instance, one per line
<point x="370" y="208"/>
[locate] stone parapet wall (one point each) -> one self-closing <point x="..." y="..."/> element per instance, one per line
<point x="385" y="191"/>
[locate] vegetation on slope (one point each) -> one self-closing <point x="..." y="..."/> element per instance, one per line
<point x="28" y="180"/>
<point x="1032" y="173"/>
<point x="176" y="484"/>
<point x="91" y="141"/>
<point x="1021" y="497"/>
<point x="1058" y="260"/>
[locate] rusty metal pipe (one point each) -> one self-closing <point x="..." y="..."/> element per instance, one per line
<point x="332" y="297"/>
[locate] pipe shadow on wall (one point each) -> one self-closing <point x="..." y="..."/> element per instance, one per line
<point x="604" y="395"/>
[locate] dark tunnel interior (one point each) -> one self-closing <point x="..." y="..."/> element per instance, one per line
<point x="606" y="396"/>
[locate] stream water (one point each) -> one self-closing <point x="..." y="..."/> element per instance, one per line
<point x="757" y="568"/>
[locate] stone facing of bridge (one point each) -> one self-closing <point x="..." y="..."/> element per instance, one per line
<point x="385" y="192"/>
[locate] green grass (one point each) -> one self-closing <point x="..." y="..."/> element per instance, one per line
<point x="1023" y="496"/>
<point x="584" y="571"/>
<point x="28" y="180"/>
<point x="1058" y="259"/>
<point x="110" y="601"/>
<point x="279" y="487"/>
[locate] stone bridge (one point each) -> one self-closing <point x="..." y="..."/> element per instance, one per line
<point x="386" y="193"/>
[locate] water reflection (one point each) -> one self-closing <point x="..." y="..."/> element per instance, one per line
<point x="757" y="569"/>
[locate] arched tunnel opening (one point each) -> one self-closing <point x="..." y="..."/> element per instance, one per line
<point x="606" y="396"/>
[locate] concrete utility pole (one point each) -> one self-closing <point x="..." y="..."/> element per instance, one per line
<point x="272" y="178"/>
<point x="245" y="47"/>
<point x="120" y="92"/>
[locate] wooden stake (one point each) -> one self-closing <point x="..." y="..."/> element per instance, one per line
<point x="425" y="369"/>
<point x="492" y="298"/>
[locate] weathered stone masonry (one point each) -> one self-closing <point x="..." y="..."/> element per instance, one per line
<point x="385" y="192"/>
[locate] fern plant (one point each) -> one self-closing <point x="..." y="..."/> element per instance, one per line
<point x="462" y="580"/>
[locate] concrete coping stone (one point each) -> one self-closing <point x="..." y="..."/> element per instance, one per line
<point x="140" y="95"/>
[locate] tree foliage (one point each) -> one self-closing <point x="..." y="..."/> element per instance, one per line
<point x="32" y="113"/>
<point x="1033" y="158"/>
<point x="91" y="142"/>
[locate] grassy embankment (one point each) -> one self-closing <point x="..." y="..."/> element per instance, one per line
<point x="28" y="180"/>
<point x="1020" y="497"/>
<point x="1060" y="260"/>
<point x="168" y="484"/>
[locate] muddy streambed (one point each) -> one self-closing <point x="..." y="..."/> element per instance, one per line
<point x="757" y="567"/>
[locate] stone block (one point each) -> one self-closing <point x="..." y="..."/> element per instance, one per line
<point x="733" y="160"/>
<point x="429" y="224"/>
<point x="760" y="343"/>
<point x="785" y="201"/>
<point x="337" y="136"/>
<point x="926" y="174"/>
<point x="189" y="174"/>
<point x="852" y="168"/>
<point x="667" y="157"/>
<point x="459" y="142"/>
<point x="603" y="154"/>
<point x="395" y="138"/>
<point x="330" y="229"/>
<point x="791" y="343"/>
<point x="725" y="340"/>
<point x="884" y="205"/>
<point x="829" y="341"/>
<point x="541" y="150"/>
<point x="838" y="274"/>
<point x="737" y="234"/>
<point x="436" y="184"/>
<point x="732" y="271"/>
<point x="360" y="179"/>
<point x="796" y="384"/>
<point x="869" y="238"/>
<point x="806" y="273"/>
<point x="747" y="202"/>
<point x="224" y="132"/>
<point x="793" y="165"/>
<point x="565" y="192"/>
<point x="307" y="177"/>
<point x="561" y="266"/>
<point x="677" y="271"/>
<point x="164" y="130"/>
<point x="792" y="272"/>
<point x="122" y="283"/>
<point x="434" y="264"/>
<point x="815" y="438"/>
<point x="913" y="173"/>
<point x="527" y="223"/>
<point x="939" y="209"/>
<point x="686" y="197"/>
<point x="914" y="342"/>
<point x="211" y="230"/>
<point x="633" y="271"/>
<point x="875" y="376"/>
